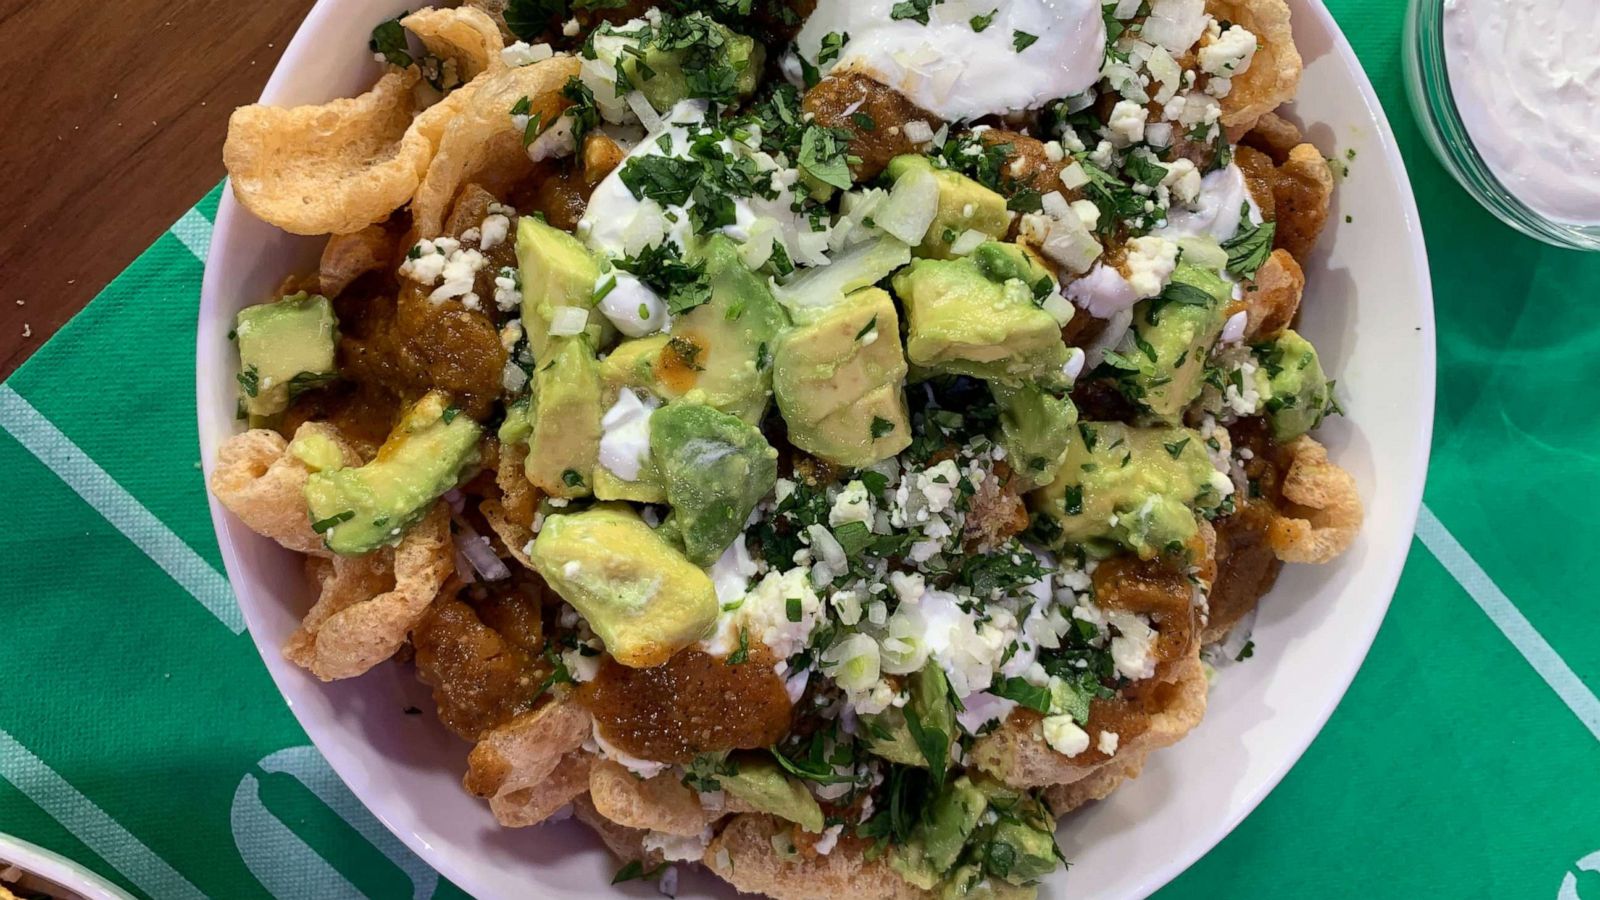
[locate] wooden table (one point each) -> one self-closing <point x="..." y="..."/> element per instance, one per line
<point x="113" y="118"/>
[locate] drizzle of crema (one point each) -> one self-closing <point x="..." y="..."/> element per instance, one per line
<point x="950" y="68"/>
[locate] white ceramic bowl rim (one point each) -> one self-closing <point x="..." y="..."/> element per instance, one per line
<point x="55" y="868"/>
<point x="386" y="770"/>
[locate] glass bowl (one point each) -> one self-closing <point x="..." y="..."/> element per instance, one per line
<point x="1428" y="86"/>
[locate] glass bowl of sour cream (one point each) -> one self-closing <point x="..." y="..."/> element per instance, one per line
<point x="1507" y="93"/>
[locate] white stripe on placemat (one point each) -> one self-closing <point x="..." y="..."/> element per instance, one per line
<point x="194" y="230"/>
<point x="1510" y="620"/>
<point x="90" y="824"/>
<point x="50" y="446"/>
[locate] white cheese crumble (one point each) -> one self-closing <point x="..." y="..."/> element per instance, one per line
<point x="1130" y="649"/>
<point x="1064" y="736"/>
<point x="1107" y="743"/>
<point x="1151" y="261"/>
<point x="1127" y="123"/>
<point x="677" y="848"/>
<point x="1230" y="54"/>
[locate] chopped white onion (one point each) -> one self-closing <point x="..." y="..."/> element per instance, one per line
<point x="969" y="241"/>
<point x="912" y="206"/>
<point x="569" y="321"/>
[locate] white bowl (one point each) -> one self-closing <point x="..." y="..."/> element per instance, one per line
<point x="1311" y="636"/>
<point x="57" y="869"/>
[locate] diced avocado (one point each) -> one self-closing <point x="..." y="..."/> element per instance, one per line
<point x="564" y="416"/>
<point x="1173" y="336"/>
<point x="889" y="734"/>
<point x="716" y="469"/>
<point x="667" y="73"/>
<point x="970" y="883"/>
<point x="557" y="272"/>
<point x="1019" y="853"/>
<point x="284" y="348"/>
<point x="317" y="450"/>
<point x="361" y="509"/>
<point x="1134" y="487"/>
<point x="761" y="783"/>
<point x="1035" y="429"/>
<point x="720" y="353"/>
<point x="730" y="338"/>
<point x="964" y="205"/>
<point x="961" y="321"/>
<point x="949" y="821"/>
<point x="1300" y="394"/>
<point x="630" y="366"/>
<point x="643" y="599"/>
<point x="840" y="381"/>
<point x="1018" y="847"/>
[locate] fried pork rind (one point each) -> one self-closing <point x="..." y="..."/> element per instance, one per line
<point x="1324" y="508"/>
<point x="516" y="765"/>
<point x="1302" y="193"/>
<point x="511" y="516"/>
<point x="262" y="483"/>
<point x="329" y="169"/>
<point x="661" y="803"/>
<point x="1275" y="136"/>
<point x="1274" y="73"/>
<point x="1273" y="298"/>
<point x="467" y="37"/>
<point x="350" y="256"/>
<point x="744" y="855"/>
<point x="483" y="143"/>
<point x="368" y="604"/>
<point x="1017" y="753"/>
<point x="626" y="844"/>
<point x="1064" y="798"/>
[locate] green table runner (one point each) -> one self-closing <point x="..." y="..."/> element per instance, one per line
<point x="140" y="734"/>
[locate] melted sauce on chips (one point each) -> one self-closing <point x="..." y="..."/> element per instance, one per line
<point x="694" y="704"/>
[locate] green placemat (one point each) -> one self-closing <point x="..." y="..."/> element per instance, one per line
<point x="140" y="734"/>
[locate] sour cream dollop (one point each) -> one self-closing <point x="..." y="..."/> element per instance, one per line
<point x="957" y="72"/>
<point x="1526" y="79"/>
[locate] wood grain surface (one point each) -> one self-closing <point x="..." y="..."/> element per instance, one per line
<point x="111" y="124"/>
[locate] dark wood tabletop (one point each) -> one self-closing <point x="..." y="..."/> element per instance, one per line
<point x="113" y="119"/>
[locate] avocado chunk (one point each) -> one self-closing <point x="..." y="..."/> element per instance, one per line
<point x="358" y="510"/>
<point x="643" y="599"/>
<point x="948" y="822"/>
<point x="563" y="419"/>
<point x="761" y="783"/>
<point x="1133" y="487"/>
<point x="720" y="353"/>
<point x="1301" y="396"/>
<point x="980" y="316"/>
<point x="1035" y="430"/>
<point x="964" y="205"/>
<point x="666" y="73"/>
<point x="839" y="381"/>
<point x="729" y="339"/>
<point x="1173" y="336"/>
<point x="716" y="470"/>
<point x="284" y="348"/>
<point x="924" y="742"/>
<point x="558" y="272"/>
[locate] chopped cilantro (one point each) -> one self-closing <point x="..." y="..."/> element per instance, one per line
<point x="1023" y="40"/>
<point x="881" y="427"/>
<point x="981" y="23"/>
<point x="323" y="526"/>
<point x="389" y="39"/>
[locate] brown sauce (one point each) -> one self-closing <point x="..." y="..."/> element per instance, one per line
<point x="694" y="704"/>
<point x="480" y="652"/>
<point x="873" y="114"/>
<point x="1158" y="588"/>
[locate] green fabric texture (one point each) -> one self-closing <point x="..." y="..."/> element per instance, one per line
<point x="140" y="734"/>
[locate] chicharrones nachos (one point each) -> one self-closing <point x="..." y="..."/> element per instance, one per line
<point x="822" y="441"/>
